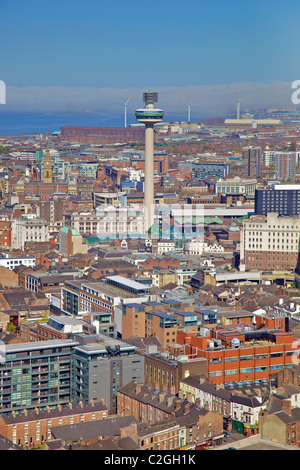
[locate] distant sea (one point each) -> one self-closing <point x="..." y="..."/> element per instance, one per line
<point x="38" y="123"/>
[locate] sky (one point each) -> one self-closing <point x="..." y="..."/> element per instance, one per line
<point x="92" y="55"/>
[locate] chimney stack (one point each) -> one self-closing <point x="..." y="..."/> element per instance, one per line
<point x="287" y="407"/>
<point x="170" y="401"/>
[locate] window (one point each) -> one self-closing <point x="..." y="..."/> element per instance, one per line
<point x="246" y="357"/>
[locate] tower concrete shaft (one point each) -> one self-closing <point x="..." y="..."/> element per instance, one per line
<point x="149" y="116"/>
<point x="149" y="175"/>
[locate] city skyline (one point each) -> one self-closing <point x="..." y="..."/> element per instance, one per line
<point x="92" y="57"/>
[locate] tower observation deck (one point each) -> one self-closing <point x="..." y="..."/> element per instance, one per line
<point x="149" y="115"/>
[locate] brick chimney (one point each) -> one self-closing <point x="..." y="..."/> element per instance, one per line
<point x="287" y="407"/>
<point x="138" y="388"/>
<point x="177" y="404"/>
<point x="170" y="401"/>
<point x="186" y="408"/>
<point x="128" y="431"/>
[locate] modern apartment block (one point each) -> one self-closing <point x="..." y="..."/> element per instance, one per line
<point x="269" y="156"/>
<point x="78" y="297"/>
<point x="201" y="170"/>
<point x="270" y="243"/>
<point x="100" y="365"/>
<point x="43" y="375"/>
<point x="281" y="198"/>
<point x="285" y="165"/>
<point x="35" y="375"/>
<point x="252" y="161"/>
<point x="147" y="319"/>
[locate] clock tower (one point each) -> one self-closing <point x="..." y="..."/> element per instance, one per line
<point x="47" y="168"/>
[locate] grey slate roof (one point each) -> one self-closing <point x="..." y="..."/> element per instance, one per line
<point x="251" y="402"/>
<point x="104" y="428"/>
<point x="194" y="381"/>
<point x="64" y="411"/>
<point x="289" y="419"/>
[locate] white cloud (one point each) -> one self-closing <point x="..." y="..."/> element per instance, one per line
<point x="206" y="100"/>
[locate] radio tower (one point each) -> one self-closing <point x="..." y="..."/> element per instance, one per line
<point x="149" y="115"/>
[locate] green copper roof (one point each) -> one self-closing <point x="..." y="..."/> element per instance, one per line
<point x="91" y="240"/>
<point x="213" y="220"/>
<point x="73" y="230"/>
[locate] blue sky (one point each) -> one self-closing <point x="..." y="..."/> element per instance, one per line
<point x="68" y="49"/>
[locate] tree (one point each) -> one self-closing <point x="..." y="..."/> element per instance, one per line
<point x="10" y="328"/>
<point x="292" y="146"/>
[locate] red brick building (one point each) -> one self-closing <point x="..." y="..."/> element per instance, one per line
<point x="45" y="190"/>
<point x="188" y="425"/>
<point x="5" y="233"/>
<point x="33" y="429"/>
<point x="241" y="352"/>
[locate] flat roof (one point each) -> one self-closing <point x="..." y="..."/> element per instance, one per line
<point x="184" y="313"/>
<point x="66" y="320"/>
<point x="128" y="282"/>
<point x="104" y="342"/>
<point x="163" y="314"/>
<point x="12" y="256"/>
<point x="237" y="275"/>
<point x="40" y="345"/>
<point x="286" y="186"/>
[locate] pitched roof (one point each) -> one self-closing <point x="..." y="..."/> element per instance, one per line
<point x="64" y="411"/>
<point x="103" y="428"/>
<point x="194" y="381"/>
<point x="289" y="419"/>
<point x="251" y="402"/>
